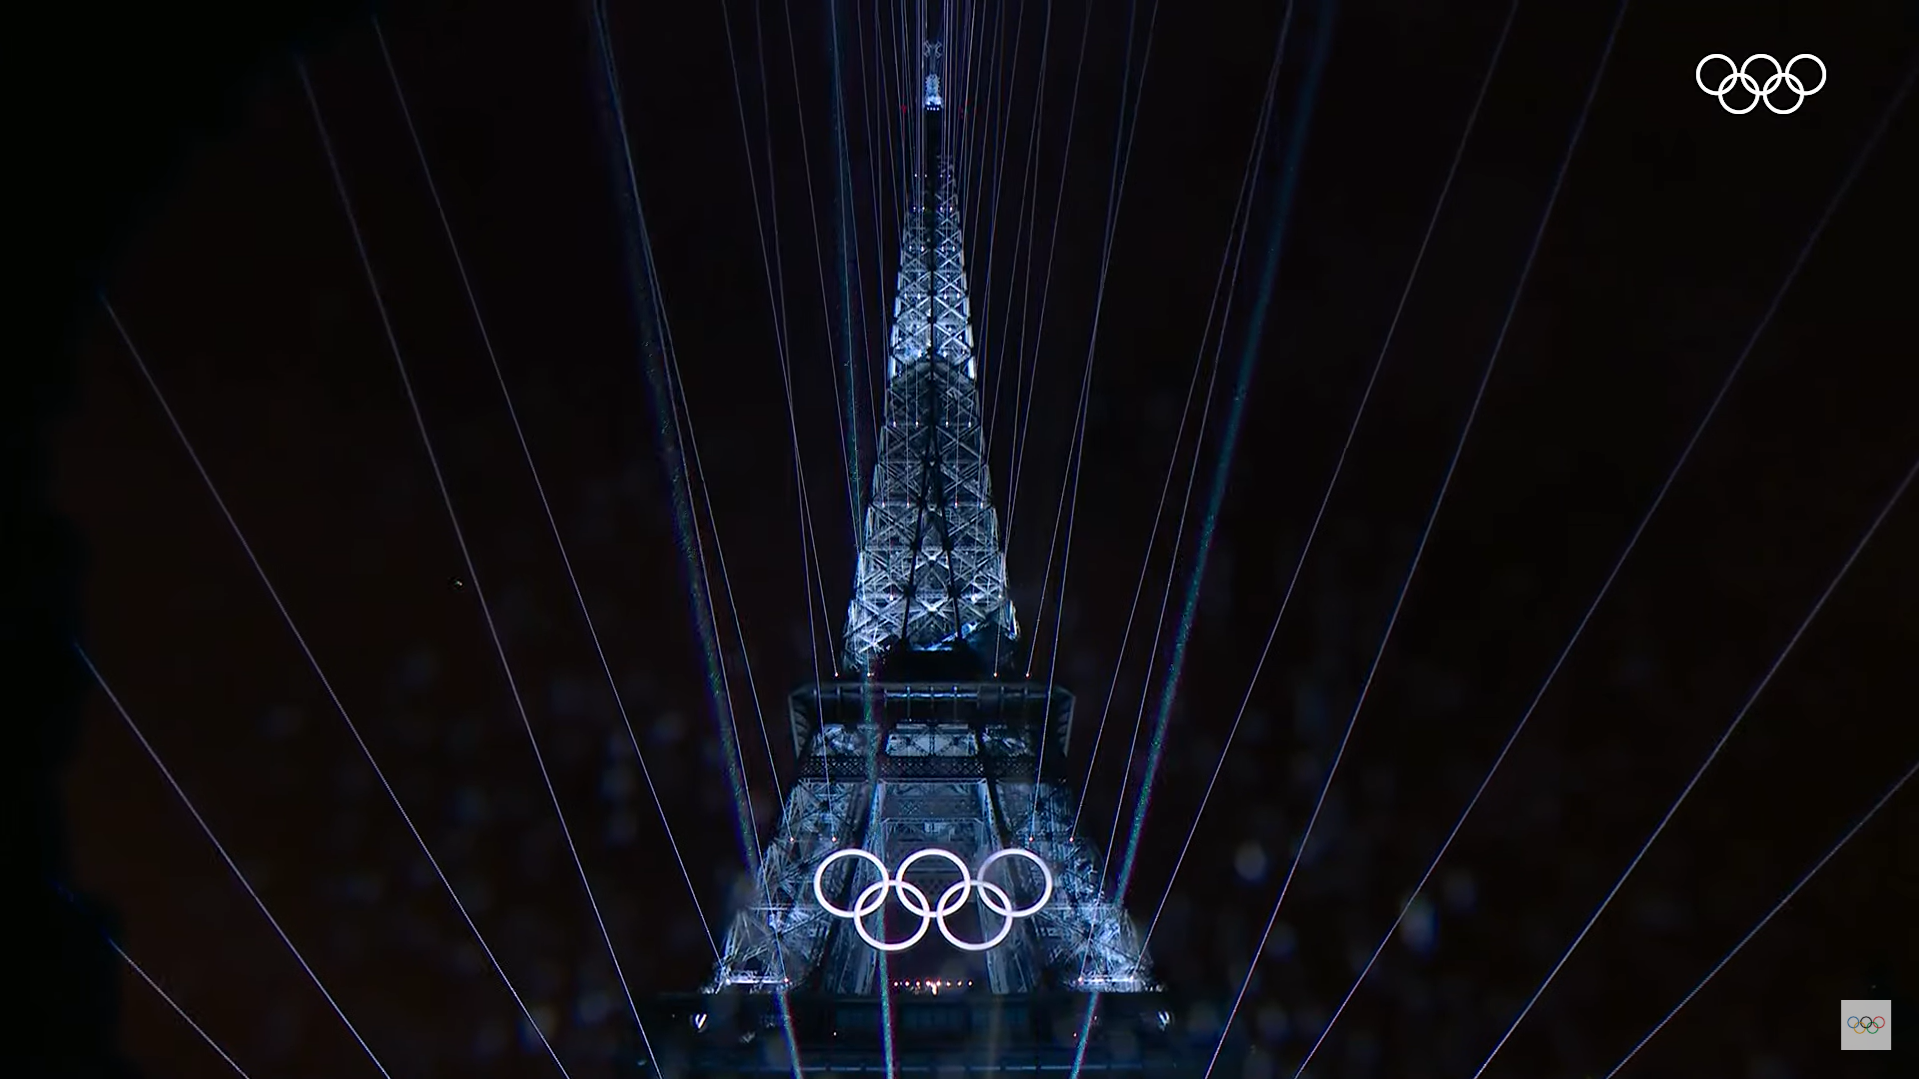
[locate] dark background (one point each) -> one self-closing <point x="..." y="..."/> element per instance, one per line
<point x="175" y="164"/>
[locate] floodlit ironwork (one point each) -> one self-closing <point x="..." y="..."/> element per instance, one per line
<point x="894" y="767"/>
<point x="906" y="756"/>
<point x="930" y="572"/>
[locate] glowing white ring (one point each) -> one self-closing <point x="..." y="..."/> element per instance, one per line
<point x="1781" y="76"/>
<point x="872" y="897"/>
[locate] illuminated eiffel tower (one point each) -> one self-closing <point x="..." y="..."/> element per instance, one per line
<point x="924" y="906"/>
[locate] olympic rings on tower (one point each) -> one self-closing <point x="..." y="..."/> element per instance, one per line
<point x="873" y="896"/>
<point x="1865" y="1024"/>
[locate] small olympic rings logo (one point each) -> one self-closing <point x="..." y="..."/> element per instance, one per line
<point x="1865" y="1024"/>
<point x="873" y="896"/>
<point x="1781" y="76"/>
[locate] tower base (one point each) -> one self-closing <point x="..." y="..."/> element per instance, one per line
<point x="973" y="1034"/>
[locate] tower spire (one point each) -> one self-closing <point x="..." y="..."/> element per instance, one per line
<point x="930" y="574"/>
<point x="933" y="101"/>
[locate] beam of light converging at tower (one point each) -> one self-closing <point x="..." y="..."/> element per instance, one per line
<point x="1039" y="330"/>
<point x="846" y="409"/>
<point x="167" y="774"/>
<point x="852" y="292"/>
<point x="650" y="322"/>
<point x="1124" y="136"/>
<point x="1021" y="444"/>
<point x="259" y="569"/>
<point x="1769" y="915"/>
<point x="1025" y="222"/>
<point x="1122" y="158"/>
<point x="1339" y="463"/>
<point x="676" y="385"/>
<point x="776" y="299"/>
<point x="1285" y="188"/>
<point x="1737" y="719"/>
<point x="880" y="179"/>
<point x="657" y="354"/>
<point x="767" y="224"/>
<point x="693" y="475"/>
<point x="1218" y="313"/>
<point x="539" y="485"/>
<point x="459" y="536"/>
<point x="1439" y="500"/>
<point x="989" y="341"/>
<point x="1632" y="541"/>
<point x="154" y="985"/>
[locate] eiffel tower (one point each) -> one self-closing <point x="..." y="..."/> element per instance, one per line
<point x="924" y="906"/>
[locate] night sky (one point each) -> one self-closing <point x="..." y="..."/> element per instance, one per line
<point x="1675" y="228"/>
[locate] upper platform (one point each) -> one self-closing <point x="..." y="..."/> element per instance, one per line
<point x="1003" y="723"/>
<point x="944" y="1034"/>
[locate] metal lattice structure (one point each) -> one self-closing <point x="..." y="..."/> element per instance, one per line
<point x="891" y="768"/>
<point x="927" y="745"/>
<point x="930" y="573"/>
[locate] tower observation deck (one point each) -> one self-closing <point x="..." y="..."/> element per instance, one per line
<point x="924" y="906"/>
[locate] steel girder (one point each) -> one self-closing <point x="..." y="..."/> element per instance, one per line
<point x="1085" y="935"/>
<point x="930" y="572"/>
<point x="784" y="938"/>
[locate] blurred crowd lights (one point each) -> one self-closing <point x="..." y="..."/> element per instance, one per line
<point x="931" y="985"/>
